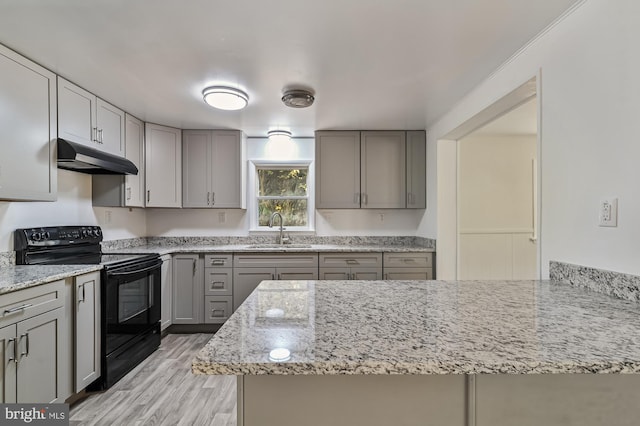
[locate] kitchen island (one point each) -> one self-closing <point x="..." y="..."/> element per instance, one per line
<point x="441" y="353"/>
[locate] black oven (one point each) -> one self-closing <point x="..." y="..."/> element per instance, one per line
<point x="130" y="316"/>
<point x="130" y="295"/>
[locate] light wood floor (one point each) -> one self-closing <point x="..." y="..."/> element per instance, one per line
<point x="162" y="391"/>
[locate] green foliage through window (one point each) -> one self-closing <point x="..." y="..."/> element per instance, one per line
<point x="283" y="190"/>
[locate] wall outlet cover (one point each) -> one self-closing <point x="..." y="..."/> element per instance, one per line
<point x="609" y="212"/>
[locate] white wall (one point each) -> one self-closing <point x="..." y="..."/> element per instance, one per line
<point x="72" y="208"/>
<point x="590" y="101"/>
<point x="207" y="222"/>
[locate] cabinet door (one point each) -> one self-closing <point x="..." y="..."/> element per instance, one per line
<point x="28" y="126"/>
<point x="227" y="179"/>
<point x="87" y="330"/>
<point x="383" y="170"/>
<point x="367" y="274"/>
<point x="163" y="166"/>
<point x="167" y="291"/>
<point x="76" y="114"/>
<point x="245" y="280"/>
<point x="196" y="168"/>
<point x="110" y="123"/>
<point x="40" y="341"/>
<point x="416" y="170"/>
<point x="340" y="274"/>
<point x="337" y="170"/>
<point x="297" y="273"/>
<point x="134" y="152"/>
<point x="187" y="289"/>
<point x="8" y="370"/>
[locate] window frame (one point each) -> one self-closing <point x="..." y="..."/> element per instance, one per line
<point x="253" y="192"/>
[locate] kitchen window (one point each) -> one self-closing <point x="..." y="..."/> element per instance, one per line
<point x="283" y="188"/>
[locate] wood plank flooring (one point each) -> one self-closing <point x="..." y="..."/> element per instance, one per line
<point x="162" y="391"/>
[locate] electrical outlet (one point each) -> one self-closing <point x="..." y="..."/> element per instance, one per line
<point x="381" y="216"/>
<point x="107" y="217"/>
<point x="222" y="217"/>
<point x="609" y="212"/>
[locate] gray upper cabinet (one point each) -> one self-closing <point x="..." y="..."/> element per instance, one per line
<point x="416" y="170"/>
<point x="369" y="169"/>
<point x="163" y="166"/>
<point x="337" y="170"/>
<point x="213" y="169"/>
<point x="127" y="190"/>
<point x="383" y="170"/>
<point x="86" y="119"/>
<point x="29" y="129"/>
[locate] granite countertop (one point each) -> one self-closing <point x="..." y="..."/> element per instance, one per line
<point x="426" y="327"/>
<point x="18" y="277"/>
<point x="266" y="248"/>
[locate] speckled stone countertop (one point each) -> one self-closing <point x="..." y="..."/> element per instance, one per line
<point x="426" y="327"/>
<point x="262" y="248"/>
<point x="18" y="277"/>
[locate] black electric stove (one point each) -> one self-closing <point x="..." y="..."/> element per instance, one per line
<point x="130" y="291"/>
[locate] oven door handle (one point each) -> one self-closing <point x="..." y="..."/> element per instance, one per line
<point x="135" y="271"/>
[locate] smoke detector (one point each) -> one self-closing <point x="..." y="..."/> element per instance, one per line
<point x="298" y="98"/>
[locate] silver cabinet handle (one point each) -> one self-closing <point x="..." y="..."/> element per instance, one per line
<point x="25" y="335"/>
<point x="217" y="262"/>
<point x="365" y="199"/>
<point x="273" y="276"/>
<point x="129" y="193"/>
<point x="213" y="198"/>
<point x="17" y="309"/>
<point x="83" y="295"/>
<point x="352" y="262"/>
<point x="15" y="353"/>
<point x="214" y="313"/>
<point x="195" y="266"/>
<point x="94" y="134"/>
<point x="217" y="284"/>
<point x="208" y="198"/>
<point x="148" y="195"/>
<point x="100" y="140"/>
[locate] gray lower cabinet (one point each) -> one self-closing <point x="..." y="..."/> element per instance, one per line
<point x="87" y="330"/>
<point x="166" y="273"/>
<point x="251" y="269"/>
<point x="350" y="266"/>
<point x="187" y="289"/>
<point x="217" y="309"/>
<point x="408" y="266"/>
<point x="34" y="345"/>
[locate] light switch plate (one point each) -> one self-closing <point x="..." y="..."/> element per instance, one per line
<point x="609" y="212"/>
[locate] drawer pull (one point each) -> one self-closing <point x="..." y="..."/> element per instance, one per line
<point x="217" y="284"/>
<point x="217" y="262"/>
<point x="352" y="262"/>
<point x="26" y="336"/>
<point x="15" y="350"/>
<point x="409" y="260"/>
<point x="217" y="313"/>
<point x="17" y="309"/>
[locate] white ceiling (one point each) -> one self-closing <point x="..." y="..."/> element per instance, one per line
<point x="374" y="64"/>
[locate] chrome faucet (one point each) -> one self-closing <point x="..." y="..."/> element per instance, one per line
<point x="281" y="239"/>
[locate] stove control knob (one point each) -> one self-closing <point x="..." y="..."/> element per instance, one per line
<point x="97" y="232"/>
<point x="36" y="236"/>
<point x="46" y="235"/>
<point x="84" y="233"/>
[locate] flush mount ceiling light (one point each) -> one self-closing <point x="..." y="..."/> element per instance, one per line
<point x="298" y="98"/>
<point x="279" y="135"/>
<point x="227" y="98"/>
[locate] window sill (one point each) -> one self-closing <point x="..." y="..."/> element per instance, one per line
<point x="275" y="232"/>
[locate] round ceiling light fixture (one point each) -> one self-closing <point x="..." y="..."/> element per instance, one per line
<point x="298" y="98"/>
<point x="279" y="135"/>
<point x="226" y="98"/>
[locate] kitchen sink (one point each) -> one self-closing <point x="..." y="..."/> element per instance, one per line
<point x="274" y="246"/>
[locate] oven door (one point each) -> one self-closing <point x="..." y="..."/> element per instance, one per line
<point x="132" y="303"/>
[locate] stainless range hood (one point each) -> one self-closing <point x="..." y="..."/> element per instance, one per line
<point x="80" y="158"/>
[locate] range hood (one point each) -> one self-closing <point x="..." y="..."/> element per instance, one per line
<point x="80" y="158"/>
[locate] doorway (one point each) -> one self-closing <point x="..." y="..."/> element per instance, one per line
<point x="497" y="198"/>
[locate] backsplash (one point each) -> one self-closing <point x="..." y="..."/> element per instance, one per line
<point x="122" y="244"/>
<point x="616" y="284"/>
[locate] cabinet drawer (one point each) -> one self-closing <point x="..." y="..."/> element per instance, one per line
<point x="30" y="302"/>
<point x="261" y="260"/>
<point x="218" y="260"/>
<point x="218" y="281"/>
<point x="408" y="274"/>
<point x="411" y="260"/>
<point x="350" y="260"/>
<point x="217" y="309"/>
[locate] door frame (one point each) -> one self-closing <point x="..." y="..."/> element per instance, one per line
<point x="447" y="174"/>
